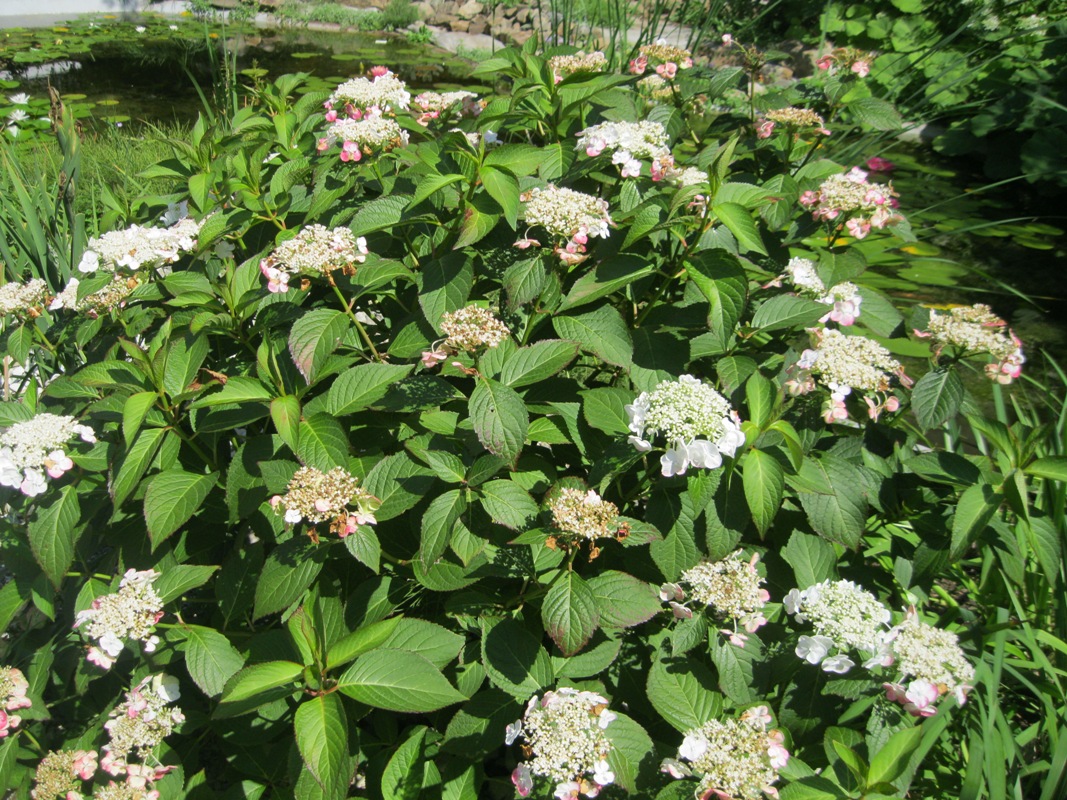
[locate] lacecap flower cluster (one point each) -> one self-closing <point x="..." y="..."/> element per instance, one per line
<point x="315" y="250"/>
<point x="13" y="689"/>
<point x="976" y="329"/>
<point x="314" y="496"/>
<point x="130" y="614"/>
<point x="570" y="217"/>
<point x="730" y="589"/>
<point x="851" y="202"/>
<point x="36" y="448"/>
<point x="628" y="142"/>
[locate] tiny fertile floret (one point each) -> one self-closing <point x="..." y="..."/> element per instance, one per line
<point x="931" y="659"/>
<point x="570" y="217"/>
<point x="23" y="299"/>
<point x="845" y="617"/>
<point x="584" y="514"/>
<point x="580" y="62"/>
<point x="565" y="735"/>
<point x="730" y="589"/>
<point x="472" y="328"/>
<point x="628" y="142"/>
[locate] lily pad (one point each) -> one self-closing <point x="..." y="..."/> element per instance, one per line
<point x="305" y="55"/>
<point x="1032" y="243"/>
<point x="117" y="118"/>
<point x="108" y="102"/>
<point x="343" y="57"/>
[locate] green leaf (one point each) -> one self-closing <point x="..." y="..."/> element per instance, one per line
<point x="322" y="738"/>
<point x="322" y="443"/>
<point x="184" y="357"/>
<point x="504" y="188"/>
<point x="1045" y="541"/>
<point x="735" y="667"/>
<point x="975" y="509"/>
<point x="287" y="573"/>
<point x="134" y="411"/>
<point x="892" y="759"/>
<point x="360" y="641"/>
<point x="379" y="214"/>
<point x="605" y="409"/>
<point x="764" y="481"/>
<point x="314" y="337"/>
<point x="682" y="693"/>
<point x="177" y="580"/>
<point x="606" y="278"/>
<point x="210" y="658"/>
<point x="631" y="749"/>
<point x="944" y="467"/>
<point x="523" y="281"/>
<point x="499" y="418"/>
<point x="134" y="463"/>
<point x="1053" y="468"/>
<point x="237" y="389"/>
<point x="446" y="285"/>
<point x="285" y="413"/>
<point x="812" y="558"/>
<point x="739" y="221"/>
<point x="876" y="113"/>
<point x="362" y="386"/>
<point x="569" y="613"/>
<point x="936" y="397"/>
<point x="622" y="600"/>
<point x="250" y="683"/>
<point x="514" y="660"/>
<point x="398" y="680"/>
<point x="788" y="311"/>
<point x="438" y="522"/>
<point x="436" y="644"/>
<point x="173" y="497"/>
<point x="399" y="483"/>
<point x="760" y="397"/>
<point x="431" y="184"/>
<point x="601" y="332"/>
<point x="508" y="504"/>
<point x="721" y="279"/>
<point x="403" y="775"/>
<point x="837" y="512"/>
<point x="533" y="364"/>
<point x="54" y="532"/>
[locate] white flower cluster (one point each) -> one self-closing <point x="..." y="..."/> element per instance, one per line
<point x="138" y="725"/>
<point x="858" y="204"/>
<point x="565" y="66"/>
<point x="976" y="329"/>
<point x="110" y="297"/>
<point x="734" y="758"/>
<point x="23" y="299"/>
<point x="429" y="106"/>
<point x="666" y="58"/>
<point x="842" y="363"/>
<point x="570" y="217"/>
<point x="383" y="92"/>
<point x="131" y="613"/>
<point x="933" y="661"/>
<point x="59" y="774"/>
<point x="655" y="88"/>
<point x="364" y="137"/>
<point x="730" y="588"/>
<point x="585" y="515"/>
<point x="627" y="141"/>
<point x="316" y="250"/>
<point x="13" y="688"/>
<point x="35" y="447"/>
<point x="314" y="496"/>
<point x="471" y="328"/>
<point x="564" y="732"/>
<point x="796" y="117"/>
<point x="138" y="247"/>
<point x="695" y="420"/>
<point x="844" y="297"/>
<point x="845" y="616"/>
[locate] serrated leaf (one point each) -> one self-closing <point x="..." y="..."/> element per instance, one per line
<point x="975" y="509"/>
<point x="682" y="692"/>
<point x="892" y="758"/>
<point x="508" y="504"/>
<point x="537" y="362"/>
<point x="515" y="661"/>
<point x="436" y="644"/>
<point x="237" y="389"/>
<point x="569" y="612"/>
<point x="601" y="332"/>
<point x="398" y="680"/>
<point x="287" y="573"/>
<point x="631" y="750"/>
<point x="1051" y="467"/>
<point x="431" y="184"/>
<point x="812" y="558"/>
<point x="399" y="483"/>
<point x="503" y="187"/>
<point x="54" y="532"/>
<point x="623" y="600"/>
<point x="314" y="337"/>
<point x="172" y="498"/>
<point x="606" y="278"/>
<point x="499" y="418"/>
<point x="446" y="285"/>
<point x="605" y="409"/>
<point x="788" y="311"/>
<point x="322" y="443"/>
<point x="210" y="658"/>
<point x="739" y="221"/>
<point x="363" y="385"/>
<point x="837" y="512"/>
<point x="134" y="411"/>
<point x="260" y="679"/>
<point x="322" y="738"/>
<point x="764" y="483"/>
<point x="285" y="413"/>
<point x="936" y="397"/>
<point x="438" y="521"/>
<point x="403" y="775"/>
<point x="360" y="641"/>
<point x="177" y="580"/>
<point x="720" y="278"/>
<point x="876" y="113"/>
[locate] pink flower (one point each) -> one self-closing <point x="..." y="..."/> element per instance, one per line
<point x="595" y="147"/>
<point x="57" y="462"/>
<point x="680" y="611"/>
<point x="765" y="129"/>
<point x="921" y="697"/>
<point x="861" y="68"/>
<point x="639" y="65"/>
<point x="736" y="639"/>
<point x="331" y="115"/>
<point x="85" y="764"/>
<point x="809" y="198"/>
<point x="323" y="144"/>
<point x="98" y="657"/>
<point x="835" y="411"/>
<point x="525" y="244"/>
<point x="523" y="780"/>
<point x="350" y="152"/>
<point x="825" y="62"/>
<point x="858" y="227"/>
<point x="667" y="71"/>
<point x="431" y="358"/>
<point x="379" y="71"/>
<point x="8" y="722"/>
<point x="778" y="755"/>
<point x="727" y="39"/>
<point x="876" y="164"/>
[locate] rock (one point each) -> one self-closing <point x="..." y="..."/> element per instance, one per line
<point x="459" y="25"/>
<point x="522" y="15"/>
<point x="425" y="9"/>
<point x="477" y="26"/>
<point x="521" y="35"/>
<point x="470" y="9"/>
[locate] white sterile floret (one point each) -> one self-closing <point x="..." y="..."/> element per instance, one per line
<point x="584" y="514"/>
<point x="844" y="616"/>
<point x="804" y="276"/>
<point x="731" y="588"/>
<point x="131" y="613"/>
<point x="384" y="92"/>
<point x="733" y="758"/>
<point x="565" y="212"/>
<point x="138" y="247"/>
<point x="627" y="141"/>
<point x="23" y="299"/>
<point x="565" y="734"/>
<point x="31" y="449"/>
<point x="696" y="422"/>
<point x="842" y="363"/>
<point x="471" y="328"/>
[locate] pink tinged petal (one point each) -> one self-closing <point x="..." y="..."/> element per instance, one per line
<point x="322" y="505"/>
<point x="331" y="115"/>
<point x="568" y="790"/>
<point x="322" y="144"/>
<point x="512" y="732"/>
<point x="523" y="780"/>
<point x="680" y="611"/>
